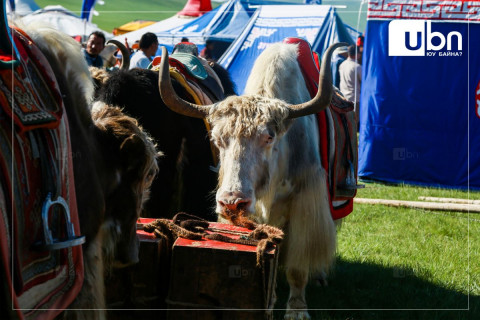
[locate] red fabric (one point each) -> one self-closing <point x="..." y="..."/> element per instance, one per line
<point x="310" y="65"/>
<point x="33" y="268"/>
<point x="47" y="107"/>
<point x="345" y="210"/>
<point x="316" y="58"/>
<point x="177" y="65"/>
<point x="196" y="8"/>
<point x="307" y="63"/>
<point x="206" y="243"/>
<point x="4" y="57"/>
<point x="360" y="41"/>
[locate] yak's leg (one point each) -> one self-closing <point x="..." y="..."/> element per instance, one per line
<point x="310" y="244"/>
<point x="321" y="279"/>
<point x="90" y="302"/>
<point x="297" y="304"/>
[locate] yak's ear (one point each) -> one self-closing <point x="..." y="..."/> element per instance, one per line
<point x="132" y="151"/>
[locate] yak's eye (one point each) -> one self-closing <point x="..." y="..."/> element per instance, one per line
<point x="268" y="138"/>
<point x="150" y="176"/>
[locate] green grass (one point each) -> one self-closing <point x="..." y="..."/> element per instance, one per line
<point x="401" y="259"/>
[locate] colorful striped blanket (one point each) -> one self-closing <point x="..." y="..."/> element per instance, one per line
<point x="35" y="165"/>
<point x="338" y="136"/>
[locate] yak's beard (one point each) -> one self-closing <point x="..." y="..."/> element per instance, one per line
<point x="238" y="218"/>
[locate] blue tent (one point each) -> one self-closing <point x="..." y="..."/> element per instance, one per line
<point x="354" y="33"/>
<point x="420" y="98"/>
<point x="318" y="24"/>
<point x="222" y="24"/>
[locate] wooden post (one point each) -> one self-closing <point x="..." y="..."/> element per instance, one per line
<point x="422" y="205"/>
<point x="450" y="200"/>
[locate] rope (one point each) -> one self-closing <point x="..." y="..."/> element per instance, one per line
<point x="190" y="222"/>
<point x="191" y="227"/>
<point x="238" y="233"/>
<point x="171" y="230"/>
<point x="184" y="225"/>
<point x="264" y="237"/>
<point x="238" y="218"/>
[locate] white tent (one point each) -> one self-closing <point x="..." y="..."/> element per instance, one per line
<point x="65" y="21"/>
<point x="23" y="7"/>
<point x="160" y="26"/>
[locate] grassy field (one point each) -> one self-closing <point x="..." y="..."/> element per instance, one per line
<point x="401" y="263"/>
<point x="393" y="263"/>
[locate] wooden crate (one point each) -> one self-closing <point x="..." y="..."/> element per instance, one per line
<point x="196" y="280"/>
<point x="144" y="285"/>
<point x="221" y="278"/>
<point x="152" y="274"/>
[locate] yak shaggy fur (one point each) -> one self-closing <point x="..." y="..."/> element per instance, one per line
<point x="283" y="177"/>
<point x="115" y="166"/>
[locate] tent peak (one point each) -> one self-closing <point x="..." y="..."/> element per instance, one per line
<point x="196" y="8"/>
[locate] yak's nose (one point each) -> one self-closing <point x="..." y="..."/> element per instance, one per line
<point x="234" y="200"/>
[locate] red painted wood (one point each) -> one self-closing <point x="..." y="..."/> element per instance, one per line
<point x="205" y="243"/>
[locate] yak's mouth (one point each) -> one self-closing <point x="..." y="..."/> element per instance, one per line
<point x="238" y="217"/>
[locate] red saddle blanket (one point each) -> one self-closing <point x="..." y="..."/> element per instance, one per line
<point x="338" y="136"/>
<point x="35" y="159"/>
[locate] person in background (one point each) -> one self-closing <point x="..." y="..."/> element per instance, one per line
<point x="360" y="41"/>
<point x="337" y="59"/>
<point x="147" y="48"/>
<point x="208" y="51"/>
<point x="95" y="45"/>
<point x="351" y="76"/>
<point x="186" y="47"/>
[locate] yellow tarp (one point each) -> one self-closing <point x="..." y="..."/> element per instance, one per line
<point x="132" y="26"/>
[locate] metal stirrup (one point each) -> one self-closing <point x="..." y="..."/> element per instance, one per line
<point x="56" y="244"/>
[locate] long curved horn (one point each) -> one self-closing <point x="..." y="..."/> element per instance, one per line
<point x="125" y="53"/>
<point x="170" y="97"/>
<point x="325" y="88"/>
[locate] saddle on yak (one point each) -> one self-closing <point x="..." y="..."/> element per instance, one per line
<point x="41" y="266"/>
<point x="338" y="136"/>
<point x="200" y="81"/>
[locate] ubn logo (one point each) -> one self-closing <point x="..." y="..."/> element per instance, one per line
<point x="415" y="38"/>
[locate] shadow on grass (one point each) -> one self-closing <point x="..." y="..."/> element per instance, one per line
<point x="356" y="287"/>
<point x="353" y="289"/>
